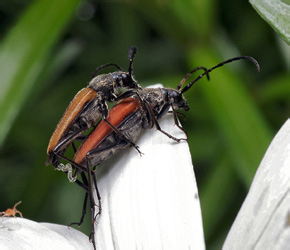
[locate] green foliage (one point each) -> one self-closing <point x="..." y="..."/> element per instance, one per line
<point x="24" y="53"/>
<point x="277" y="14"/>
<point x="233" y="117"/>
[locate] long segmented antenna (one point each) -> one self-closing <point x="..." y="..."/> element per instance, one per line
<point x="189" y="74"/>
<point x="187" y="87"/>
<point x="131" y="56"/>
<point x="105" y="66"/>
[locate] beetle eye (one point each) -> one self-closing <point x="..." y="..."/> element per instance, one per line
<point x="177" y="97"/>
<point x="127" y="80"/>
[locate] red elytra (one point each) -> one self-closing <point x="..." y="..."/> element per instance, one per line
<point x="116" y="115"/>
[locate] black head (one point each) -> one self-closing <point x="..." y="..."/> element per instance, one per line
<point x="175" y="99"/>
<point x="125" y="80"/>
<point x="178" y="101"/>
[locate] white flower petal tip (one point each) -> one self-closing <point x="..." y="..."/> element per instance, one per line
<point x="264" y="219"/>
<point x="150" y="201"/>
<point x="21" y="233"/>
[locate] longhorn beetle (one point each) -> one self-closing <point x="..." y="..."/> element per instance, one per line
<point x="87" y="106"/>
<point x="84" y="111"/>
<point x="130" y="118"/>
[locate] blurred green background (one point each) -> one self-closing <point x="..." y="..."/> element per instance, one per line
<point x="50" y="48"/>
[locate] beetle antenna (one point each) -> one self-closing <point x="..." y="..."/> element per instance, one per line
<point x="131" y="55"/>
<point x="105" y="66"/>
<point x="189" y="74"/>
<point x="187" y="87"/>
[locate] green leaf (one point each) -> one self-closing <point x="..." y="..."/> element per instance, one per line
<point x="277" y="14"/>
<point x="24" y="52"/>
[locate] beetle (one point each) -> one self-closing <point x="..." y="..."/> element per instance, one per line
<point x="87" y="106"/>
<point x="130" y="118"/>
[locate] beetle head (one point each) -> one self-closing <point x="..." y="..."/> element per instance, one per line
<point x="175" y="98"/>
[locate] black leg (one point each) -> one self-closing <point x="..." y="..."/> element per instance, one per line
<point x="121" y="136"/>
<point x="92" y="203"/>
<point x="177" y="123"/>
<point x="98" y="194"/>
<point x="155" y="121"/>
<point x="85" y="182"/>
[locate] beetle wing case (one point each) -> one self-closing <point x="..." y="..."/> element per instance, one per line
<point x="83" y="97"/>
<point x="103" y="142"/>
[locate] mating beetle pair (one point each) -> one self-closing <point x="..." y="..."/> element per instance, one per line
<point x="84" y="111"/>
<point x="135" y="113"/>
<point x="87" y="106"/>
<point x="121" y="127"/>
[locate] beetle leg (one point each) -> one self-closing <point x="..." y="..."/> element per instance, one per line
<point x="55" y="154"/>
<point x="177" y="122"/>
<point x="121" y="136"/>
<point x="98" y="197"/>
<point x="94" y="152"/>
<point x="155" y="121"/>
<point x="82" y="185"/>
<point x="178" y="114"/>
<point x="68" y="138"/>
<point x="132" y="93"/>
<point x="85" y="203"/>
<point x="92" y="203"/>
<point x="87" y="185"/>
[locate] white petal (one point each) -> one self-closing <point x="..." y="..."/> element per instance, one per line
<point x="264" y="220"/>
<point x="21" y="233"/>
<point x="150" y="202"/>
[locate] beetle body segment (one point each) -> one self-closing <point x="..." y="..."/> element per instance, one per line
<point x="107" y="84"/>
